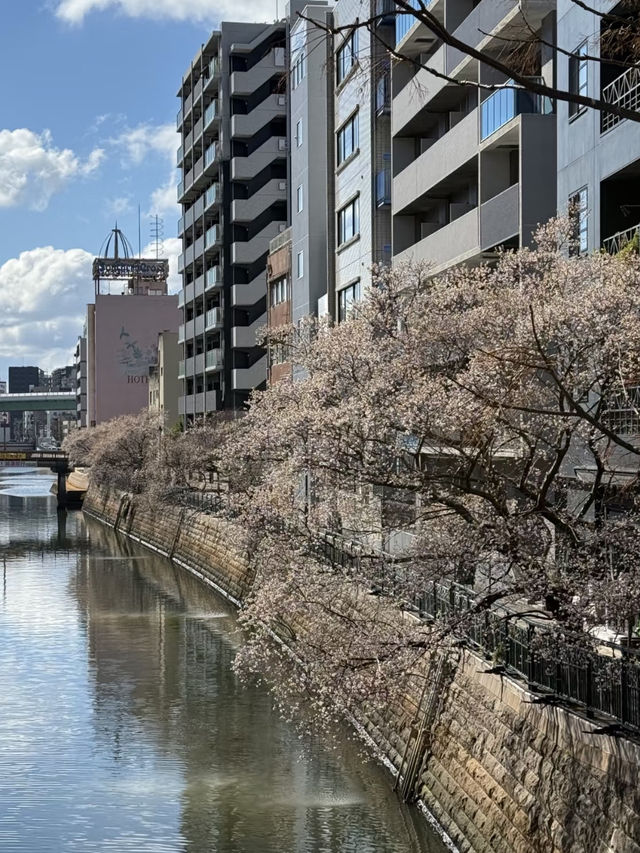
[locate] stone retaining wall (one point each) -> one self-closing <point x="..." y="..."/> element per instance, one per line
<point x="500" y="772"/>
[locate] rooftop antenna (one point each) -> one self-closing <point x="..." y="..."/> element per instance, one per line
<point x="157" y="235"/>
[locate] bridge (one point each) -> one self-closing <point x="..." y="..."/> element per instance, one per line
<point x="56" y="460"/>
<point x="39" y="401"/>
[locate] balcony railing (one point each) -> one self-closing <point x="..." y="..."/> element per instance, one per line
<point x="212" y="195"/>
<point x="621" y="240"/>
<point x="211" y="154"/>
<point x="213" y="236"/>
<point x="179" y="155"/>
<point x="211" y="112"/>
<point x="180" y="190"/>
<point x="181" y="368"/>
<point x="505" y="104"/>
<point x="383" y="187"/>
<point x="213" y="318"/>
<point x="214" y="67"/>
<point x="624" y="92"/>
<point x="213" y="359"/>
<point x="214" y="276"/>
<point x="179" y="118"/>
<point x="622" y="414"/>
<point x="405" y="22"/>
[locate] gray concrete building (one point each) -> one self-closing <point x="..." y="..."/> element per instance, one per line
<point x="472" y="169"/>
<point x="233" y="157"/>
<point x="598" y="153"/>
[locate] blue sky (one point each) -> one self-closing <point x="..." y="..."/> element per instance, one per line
<point x="87" y="132"/>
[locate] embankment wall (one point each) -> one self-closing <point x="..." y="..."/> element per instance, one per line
<point x="501" y="773"/>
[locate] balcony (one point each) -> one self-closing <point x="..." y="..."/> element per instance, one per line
<point x="627" y="239"/>
<point x="211" y="113"/>
<point x="198" y="325"/>
<point x="500" y="218"/>
<point x="213" y="196"/>
<point x="214" y="359"/>
<point x="213" y="277"/>
<point x="249" y="294"/>
<point x="249" y="251"/>
<point x="405" y="22"/>
<point x="213" y="319"/>
<point x="246" y="82"/>
<point x="248" y="209"/>
<point x="505" y="104"/>
<point x="244" y="337"/>
<point x="213" y="237"/>
<point x="179" y="118"/>
<point x="181" y="373"/>
<point x="244" y="379"/>
<point x="624" y="92"/>
<point x="453" y="243"/>
<point x="179" y="155"/>
<point x="214" y="72"/>
<point x="180" y="190"/>
<point x="211" y="154"/>
<point x="248" y="124"/>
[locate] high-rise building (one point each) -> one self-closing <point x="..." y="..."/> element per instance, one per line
<point x="121" y="332"/>
<point x="233" y="157"/>
<point x="473" y="169"/>
<point x="21" y="381"/>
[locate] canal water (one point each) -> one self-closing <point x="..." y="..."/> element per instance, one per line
<point x="123" y="728"/>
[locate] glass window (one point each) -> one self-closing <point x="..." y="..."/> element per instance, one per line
<point x="298" y="58"/>
<point x="347" y="57"/>
<point x="299" y="132"/>
<point x="299" y="198"/>
<point x="347" y="298"/>
<point x="349" y="221"/>
<point x="578" y="77"/>
<point x="300" y="265"/>
<point x="279" y="291"/>
<point x="347" y="138"/>
<point x="579" y="212"/>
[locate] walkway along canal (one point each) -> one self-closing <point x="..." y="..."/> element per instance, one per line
<point x="123" y="728"/>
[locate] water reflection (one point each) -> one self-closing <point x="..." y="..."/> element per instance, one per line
<point x="123" y="727"/>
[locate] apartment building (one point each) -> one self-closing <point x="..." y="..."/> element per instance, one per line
<point x="233" y="157"/>
<point x="472" y="169"/>
<point x="163" y="380"/>
<point x="361" y="150"/>
<point x="598" y="153"/>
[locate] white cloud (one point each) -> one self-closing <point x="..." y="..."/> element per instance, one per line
<point x="118" y="206"/>
<point x="137" y="143"/>
<point x="43" y="294"/>
<point x="205" y="11"/>
<point x="32" y="169"/>
<point x="171" y="248"/>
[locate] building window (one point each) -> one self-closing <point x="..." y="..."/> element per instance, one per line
<point x="349" y="221"/>
<point x="299" y="133"/>
<point x="298" y="58"/>
<point x="347" y="138"/>
<point x="578" y="78"/>
<point x="300" y="265"/>
<point x="279" y="291"/>
<point x="347" y="57"/>
<point x="579" y="213"/>
<point x="299" y="198"/>
<point x="347" y="298"/>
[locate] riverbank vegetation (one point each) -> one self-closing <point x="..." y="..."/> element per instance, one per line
<point x="475" y="430"/>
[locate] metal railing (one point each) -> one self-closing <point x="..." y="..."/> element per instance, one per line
<point x="211" y="112"/>
<point x="213" y="236"/>
<point x="405" y="22"/>
<point x="281" y="240"/>
<point x="606" y="680"/>
<point x="211" y="154"/>
<point x="212" y="195"/>
<point x="213" y="359"/>
<point x="505" y="104"/>
<point x="213" y="318"/>
<point x="624" y="92"/>
<point x="213" y="276"/>
<point x="620" y="240"/>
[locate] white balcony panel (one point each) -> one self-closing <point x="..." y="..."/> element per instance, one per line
<point x="198" y="325"/>
<point x="249" y="252"/>
<point x="244" y="379"/>
<point x="441" y="159"/>
<point x="213" y="319"/>
<point x="188" y="330"/>
<point x="454" y="243"/>
<point x="247" y="82"/>
<point x="198" y="286"/>
<point x="199" y="363"/>
<point x="244" y="168"/>
<point x="251" y="123"/>
<point x="214" y="359"/>
<point x="248" y="209"/>
<point x="249" y="294"/>
<point x="244" y="337"/>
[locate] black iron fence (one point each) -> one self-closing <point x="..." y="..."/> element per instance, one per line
<point x="605" y="679"/>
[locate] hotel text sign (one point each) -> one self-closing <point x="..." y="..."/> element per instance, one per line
<point x="125" y="268"/>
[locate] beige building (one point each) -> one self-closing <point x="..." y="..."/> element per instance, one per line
<point x="163" y="379"/>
